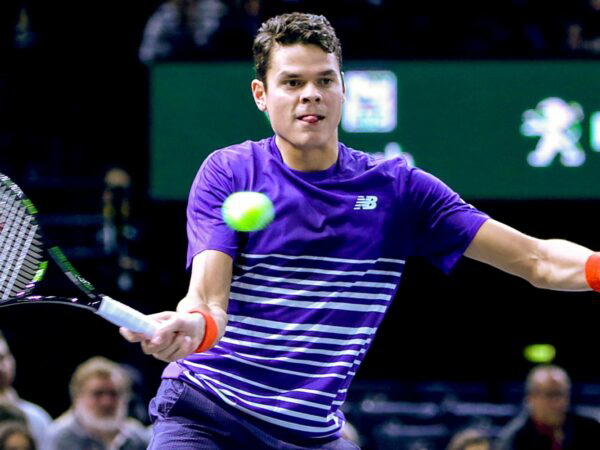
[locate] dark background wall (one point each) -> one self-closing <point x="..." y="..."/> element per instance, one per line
<point x="76" y="103"/>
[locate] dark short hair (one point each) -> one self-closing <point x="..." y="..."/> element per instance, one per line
<point x="290" y="29"/>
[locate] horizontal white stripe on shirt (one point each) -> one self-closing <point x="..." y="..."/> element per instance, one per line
<point x="308" y="304"/>
<point x="282" y="423"/>
<point x="314" y="327"/>
<point x="324" y="258"/>
<point x="287" y="349"/>
<point x="257" y="384"/>
<point x="361" y="273"/>
<point x="350" y="284"/>
<point x="309" y="293"/>
<point x="308" y="362"/>
<point x="281" y="398"/>
<point x="294" y="337"/>
<point x="290" y="372"/>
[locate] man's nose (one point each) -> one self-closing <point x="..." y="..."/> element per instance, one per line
<point x="310" y="93"/>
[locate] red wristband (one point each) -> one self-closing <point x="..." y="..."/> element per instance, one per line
<point x="210" y="331"/>
<point x="592" y="271"/>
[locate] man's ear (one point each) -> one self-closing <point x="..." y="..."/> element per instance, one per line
<point x="343" y="86"/>
<point x="258" y="93"/>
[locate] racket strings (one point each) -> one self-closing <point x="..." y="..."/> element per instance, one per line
<point x="20" y="245"/>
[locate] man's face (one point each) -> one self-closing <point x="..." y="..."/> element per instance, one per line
<point x="7" y="366"/>
<point x="101" y="397"/>
<point x="549" y="399"/>
<point x="303" y="96"/>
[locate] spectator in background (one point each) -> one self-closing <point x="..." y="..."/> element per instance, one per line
<point x="469" y="440"/>
<point x="97" y="419"/>
<point x="36" y="417"/>
<point x="9" y="412"/>
<point x="583" y="33"/>
<point x="14" y="432"/>
<point x="119" y="234"/>
<point x="16" y="436"/>
<point x="181" y="30"/>
<point x="547" y="424"/>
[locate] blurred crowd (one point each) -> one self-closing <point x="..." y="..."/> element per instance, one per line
<point x="92" y="102"/>
<point x="99" y="418"/>
<point x="223" y="29"/>
<point x="103" y="416"/>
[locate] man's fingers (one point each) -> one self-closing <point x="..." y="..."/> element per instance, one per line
<point x="179" y="348"/>
<point x="132" y="336"/>
<point x="176" y="337"/>
<point x="158" y="344"/>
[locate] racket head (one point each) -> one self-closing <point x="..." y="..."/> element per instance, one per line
<point x="22" y="258"/>
<point x="25" y="254"/>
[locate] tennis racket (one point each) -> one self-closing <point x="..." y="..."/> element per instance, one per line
<point x="24" y="259"/>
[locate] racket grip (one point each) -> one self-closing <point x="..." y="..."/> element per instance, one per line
<point x="125" y="316"/>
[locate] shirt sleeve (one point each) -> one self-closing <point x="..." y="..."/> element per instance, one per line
<point x="206" y="229"/>
<point x="446" y="224"/>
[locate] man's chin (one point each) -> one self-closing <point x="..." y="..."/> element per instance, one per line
<point x="101" y="424"/>
<point x="307" y="143"/>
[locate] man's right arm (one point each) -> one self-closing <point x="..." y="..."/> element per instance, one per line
<point x="209" y="287"/>
<point x="181" y="332"/>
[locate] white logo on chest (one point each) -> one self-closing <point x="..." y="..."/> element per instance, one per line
<point x="366" y="202"/>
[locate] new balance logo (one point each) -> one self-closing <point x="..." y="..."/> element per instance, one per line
<point x="366" y="202"/>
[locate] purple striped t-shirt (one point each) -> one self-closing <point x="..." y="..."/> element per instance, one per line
<point x="309" y="291"/>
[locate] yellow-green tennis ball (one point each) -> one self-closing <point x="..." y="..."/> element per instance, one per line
<point x="248" y="211"/>
<point x="540" y="353"/>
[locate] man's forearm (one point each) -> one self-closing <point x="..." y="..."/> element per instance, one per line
<point x="561" y="266"/>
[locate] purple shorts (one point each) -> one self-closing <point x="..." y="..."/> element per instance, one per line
<point x="185" y="418"/>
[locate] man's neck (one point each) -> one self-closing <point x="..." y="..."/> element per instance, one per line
<point x="309" y="159"/>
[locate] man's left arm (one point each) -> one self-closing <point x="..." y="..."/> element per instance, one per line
<point x="546" y="263"/>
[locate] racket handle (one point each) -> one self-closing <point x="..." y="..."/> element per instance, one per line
<point x="125" y="316"/>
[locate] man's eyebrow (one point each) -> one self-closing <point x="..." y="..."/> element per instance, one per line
<point x="327" y="72"/>
<point x="286" y="74"/>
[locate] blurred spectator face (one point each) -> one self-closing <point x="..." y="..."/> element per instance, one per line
<point x="17" y="441"/>
<point x="548" y="399"/>
<point x="7" y="366"/>
<point x="480" y="446"/>
<point x="101" y="403"/>
<point x="252" y="7"/>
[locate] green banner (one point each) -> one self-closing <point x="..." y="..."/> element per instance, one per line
<point x="491" y="130"/>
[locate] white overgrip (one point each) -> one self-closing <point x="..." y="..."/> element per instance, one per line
<point x="125" y="316"/>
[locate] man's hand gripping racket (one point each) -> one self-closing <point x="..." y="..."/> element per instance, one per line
<point x="24" y="259"/>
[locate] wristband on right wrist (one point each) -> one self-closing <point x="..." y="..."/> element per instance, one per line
<point x="592" y="271"/>
<point x="210" y="331"/>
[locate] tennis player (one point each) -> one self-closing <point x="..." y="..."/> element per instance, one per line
<point x="265" y="344"/>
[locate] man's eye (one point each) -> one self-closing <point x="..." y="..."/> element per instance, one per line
<point x="326" y="81"/>
<point x="293" y="83"/>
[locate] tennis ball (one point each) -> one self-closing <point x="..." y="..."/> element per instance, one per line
<point x="540" y="353"/>
<point x="248" y="211"/>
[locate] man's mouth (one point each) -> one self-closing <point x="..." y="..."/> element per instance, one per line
<point x="310" y="118"/>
